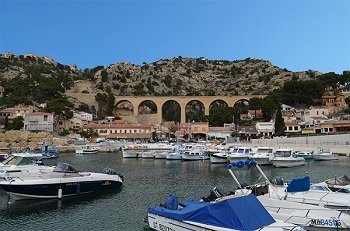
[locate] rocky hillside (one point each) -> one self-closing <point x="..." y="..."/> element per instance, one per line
<point x="176" y="76"/>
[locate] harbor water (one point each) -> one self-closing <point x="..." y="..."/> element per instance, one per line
<point x="147" y="183"/>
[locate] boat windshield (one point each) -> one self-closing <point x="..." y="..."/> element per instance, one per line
<point x="65" y="168"/>
<point x="264" y="150"/>
<point x="283" y="153"/>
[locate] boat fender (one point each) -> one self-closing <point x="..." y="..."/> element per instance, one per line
<point x="59" y="193"/>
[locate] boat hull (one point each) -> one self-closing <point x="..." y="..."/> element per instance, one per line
<point x="47" y="191"/>
<point x="218" y="159"/>
<point x="325" y="157"/>
<point x="131" y="154"/>
<point x="281" y="162"/>
<point x="195" y="157"/>
<point x="174" y="156"/>
<point x="261" y="160"/>
<point x="236" y="158"/>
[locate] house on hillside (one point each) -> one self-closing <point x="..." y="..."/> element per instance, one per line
<point x="292" y="127"/>
<point x="38" y="121"/>
<point x="13" y="112"/>
<point x="334" y="101"/>
<point x="76" y="123"/>
<point x="310" y="115"/>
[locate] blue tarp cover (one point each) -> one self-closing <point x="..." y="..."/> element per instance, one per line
<point x="299" y="185"/>
<point x="241" y="213"/>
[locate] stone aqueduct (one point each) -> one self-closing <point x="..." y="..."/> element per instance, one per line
<point x="159" y="101"/>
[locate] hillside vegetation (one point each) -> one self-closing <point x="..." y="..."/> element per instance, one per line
<point x="32" y="80"/>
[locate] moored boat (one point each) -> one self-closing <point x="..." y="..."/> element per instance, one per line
<point x="87" y="149"/>
<point x="173" y="156"/>
<point x="310" y="216"/>
<point x="285" y="158"/>
<point x="335" y="184"/>
<point x="227" y="215"/>
<point x="324" y="154"/>
<point x="262" y="155"/>
<point x="160" y="155"/>
<point x="306" y="155"/>
<point x="238" y="154"/>
<point x="22" y="164"/>
<point x="195" y="155"/>
<point x="63" y="181"/>
<point x="218" y="158"/>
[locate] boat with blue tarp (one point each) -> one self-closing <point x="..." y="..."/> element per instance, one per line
<point x="282" y="206"/>
<point x="237" y="213"/>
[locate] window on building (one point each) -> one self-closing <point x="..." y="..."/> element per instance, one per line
<point x="45" y="117"/>
<point x="296" y="128"/>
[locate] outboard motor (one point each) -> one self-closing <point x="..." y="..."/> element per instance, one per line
<point x="111" y="171"/>
<point x="277" y="181"/>
<point x="214" y="194"/>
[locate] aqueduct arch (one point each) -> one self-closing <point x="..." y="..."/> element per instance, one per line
<point x="159" y="101"/>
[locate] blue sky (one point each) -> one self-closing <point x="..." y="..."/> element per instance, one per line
<point x="293" y="34"/>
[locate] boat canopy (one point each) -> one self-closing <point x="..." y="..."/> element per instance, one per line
<point x="299" y="185"/>
<point x="65" y="168"/>
<point x="241" y="213"/>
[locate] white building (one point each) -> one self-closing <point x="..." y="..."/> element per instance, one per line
<point x="308" y="115"/>
<point x="220" y="132"/>
<point x="292" y="127"/>
<point x="38" y="121"/>
<point x="120" y="129"/>
<point x="76" y="123"/>
<point x="265" y="129"/>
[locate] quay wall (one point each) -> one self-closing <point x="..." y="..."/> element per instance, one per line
<point x="338" y="144"/>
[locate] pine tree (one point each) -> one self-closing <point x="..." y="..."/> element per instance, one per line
<point x="279" y="124"/>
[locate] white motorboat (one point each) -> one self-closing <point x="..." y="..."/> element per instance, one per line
<point x="227" y="215"/>
<point x="238" y="154"/>
<point x="87" y="149"/>
<point x="335" y="184"/>
<point x="323" y="154"/>
<point x="173" y="156"/>
<point x="306" y="155"/>
<point x="147" y="154"/>
<point x="285" y="158"/>
<point x="131" y="153"/>
<point x="219" y="158"/>
<point x="195" y="155"/>
<point x="304" y="193"/>
<point x="160" y="155"/>
<point x="63" y="181"/>
<point x="21" y="164"/>
<point x="309" y="216"/>
<point x="262" y="155"/>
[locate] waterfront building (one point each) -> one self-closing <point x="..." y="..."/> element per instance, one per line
<point x="196" y="130"/>
<point x="38" y="121"/>
<point x="265" y="129"/>
<point x="220" y="132"/>
<point x="292" y="127"/>
<point x="121" y="130"/>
